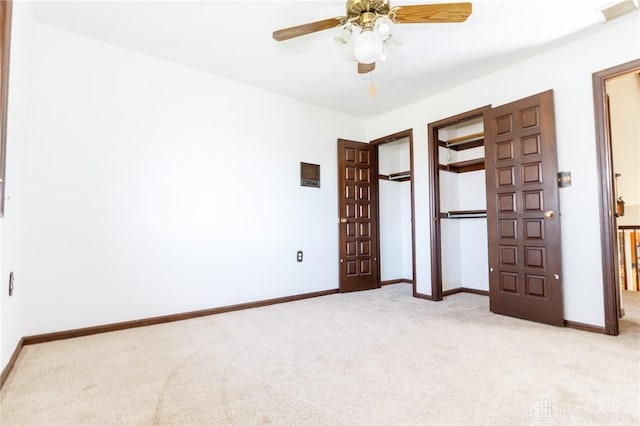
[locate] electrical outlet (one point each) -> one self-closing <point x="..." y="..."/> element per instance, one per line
<point x="11" y="284"/>
<point x="299" y="256"/>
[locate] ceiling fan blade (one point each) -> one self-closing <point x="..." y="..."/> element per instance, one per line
<point x="300" y="30"/>
<point x="365" y="68"/>
<point x="431" y="13"/>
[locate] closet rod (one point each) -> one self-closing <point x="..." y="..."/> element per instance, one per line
<point x="464" y="214"/>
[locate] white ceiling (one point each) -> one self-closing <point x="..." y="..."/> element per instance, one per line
<point x="232" y="39"/>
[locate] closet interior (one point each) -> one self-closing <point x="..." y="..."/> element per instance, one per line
<point x="460" y="205"/>
<point x="394" y="198"/>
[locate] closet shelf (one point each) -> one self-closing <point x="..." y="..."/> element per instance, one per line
<point x="397" y="177"/>
<point x="463" y="166"/>
<point x="473" y="140"/>
<point x="464" y="214"/>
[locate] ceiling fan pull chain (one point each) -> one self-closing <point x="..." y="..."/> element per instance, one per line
<point x="372" y="86"/>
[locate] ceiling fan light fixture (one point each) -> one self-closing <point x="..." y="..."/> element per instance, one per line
<point x="390" y="44"/>
<point x="366" y="29"/>
<point x="345" y="36"/>
<point x="383" y="26"/>
<point x="368" y="47"/>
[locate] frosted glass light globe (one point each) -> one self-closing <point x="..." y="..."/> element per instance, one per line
<point x="367" y="48"/>
<point x="345" y="36"/>
<point x="382" y="27"/>
<point x="345" y="39"/>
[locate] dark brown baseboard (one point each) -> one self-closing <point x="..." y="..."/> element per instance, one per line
<point x="60" y="335"/>
<point x="446" y="293"/>
<point x="422" y="296"/>
<point x="475" y="291"/>
<point x="585" y="327"/>
<point x="464" y="290"/>
<point x="398" y="281"/>
<point x="7" y="369"/>
<point x="68" y="334"/>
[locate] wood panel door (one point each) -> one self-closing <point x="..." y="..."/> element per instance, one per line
<point x="358" y="194"/>
<point x="525" y="259"/>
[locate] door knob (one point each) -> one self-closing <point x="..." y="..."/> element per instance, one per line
<point x="549" y="214"/>
<point x="343" y="220"/>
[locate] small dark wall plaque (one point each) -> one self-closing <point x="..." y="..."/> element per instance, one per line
<point x="310" y="175"/>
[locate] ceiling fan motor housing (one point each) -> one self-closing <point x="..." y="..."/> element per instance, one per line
<point x="367" y="19"/>
<point x="357" y="8"/>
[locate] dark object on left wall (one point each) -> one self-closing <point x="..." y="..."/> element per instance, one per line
<point x="310" y="175"/>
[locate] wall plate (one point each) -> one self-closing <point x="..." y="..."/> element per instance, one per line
<point x="310" y="175"/>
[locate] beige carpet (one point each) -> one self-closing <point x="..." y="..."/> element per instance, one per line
<point x="375" y="357"/>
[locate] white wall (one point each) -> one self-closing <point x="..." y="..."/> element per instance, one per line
<point x="156" y="189"/>
<point x="405" y="231"/>
<point x="474" y="248"/>
<point x="390" y="203"/>
<point x="450" y="255"/>
<point x="567" y="69"/>
<point x="464" y="251"/>
<point x="624" y="94"/>
<point x="12" y="225"/>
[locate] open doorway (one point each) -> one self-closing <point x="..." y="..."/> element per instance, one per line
<point x="363" y="265"/>
<point x="520" y="258"/>
<point x="458" y="202"/>
<point x="612" y="148"/>
<point x="396" y="240"/>
<point x="394" y="209"/>
<point x="623" y="95"/>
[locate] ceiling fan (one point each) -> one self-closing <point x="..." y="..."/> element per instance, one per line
<point x="373" y="20"/>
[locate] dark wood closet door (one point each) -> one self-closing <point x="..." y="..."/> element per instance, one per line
<point x="525" y="259"/>
<point x="358" y="191"/>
